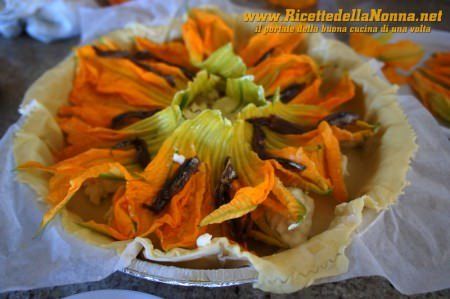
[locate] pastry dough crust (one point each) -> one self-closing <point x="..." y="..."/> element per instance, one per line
<point x="386" y="162"/>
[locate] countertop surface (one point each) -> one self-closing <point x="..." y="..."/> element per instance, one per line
<point x="22" y="61"/>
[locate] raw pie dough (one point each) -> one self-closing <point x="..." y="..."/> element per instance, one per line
<point x="377" y="173"/>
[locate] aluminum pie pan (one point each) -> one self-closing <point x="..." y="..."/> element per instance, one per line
<point x="209" y="278"/>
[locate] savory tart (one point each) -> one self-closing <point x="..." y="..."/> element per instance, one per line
<point x="267" y="148"/>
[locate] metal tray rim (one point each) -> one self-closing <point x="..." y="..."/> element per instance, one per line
<point x="133" y="270"/>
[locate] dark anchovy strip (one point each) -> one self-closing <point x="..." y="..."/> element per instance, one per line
<point x="240" y="228"/>
<point x="341" y="119"/>
<point x="135" y="59"/>
<point x="143" y="55"/>
<point x="239" y="231"/>
<point x="264" y="57"/>
<point x="278" y="125"/>
<point x="222" y="192"/>
<point x="122" y="119"/>
<point x="289" y="164"/>
<point x="111" y="53"/>
<point x="142" y="154"/>
<point x="258" y="142"/>
<point x="187" y="73"/>
<point x="169" y="78"/>
<point x="259" y="147"/>
<point x="290" y="92"/>
<point x="139" y="55"/>
<point x="175" y="184"/>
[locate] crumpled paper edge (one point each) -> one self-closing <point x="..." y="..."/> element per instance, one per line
<point x="321" y="256"/>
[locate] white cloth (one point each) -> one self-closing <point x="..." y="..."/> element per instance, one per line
<point x="99" y="21"/>
<point x="44" y="20"/>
